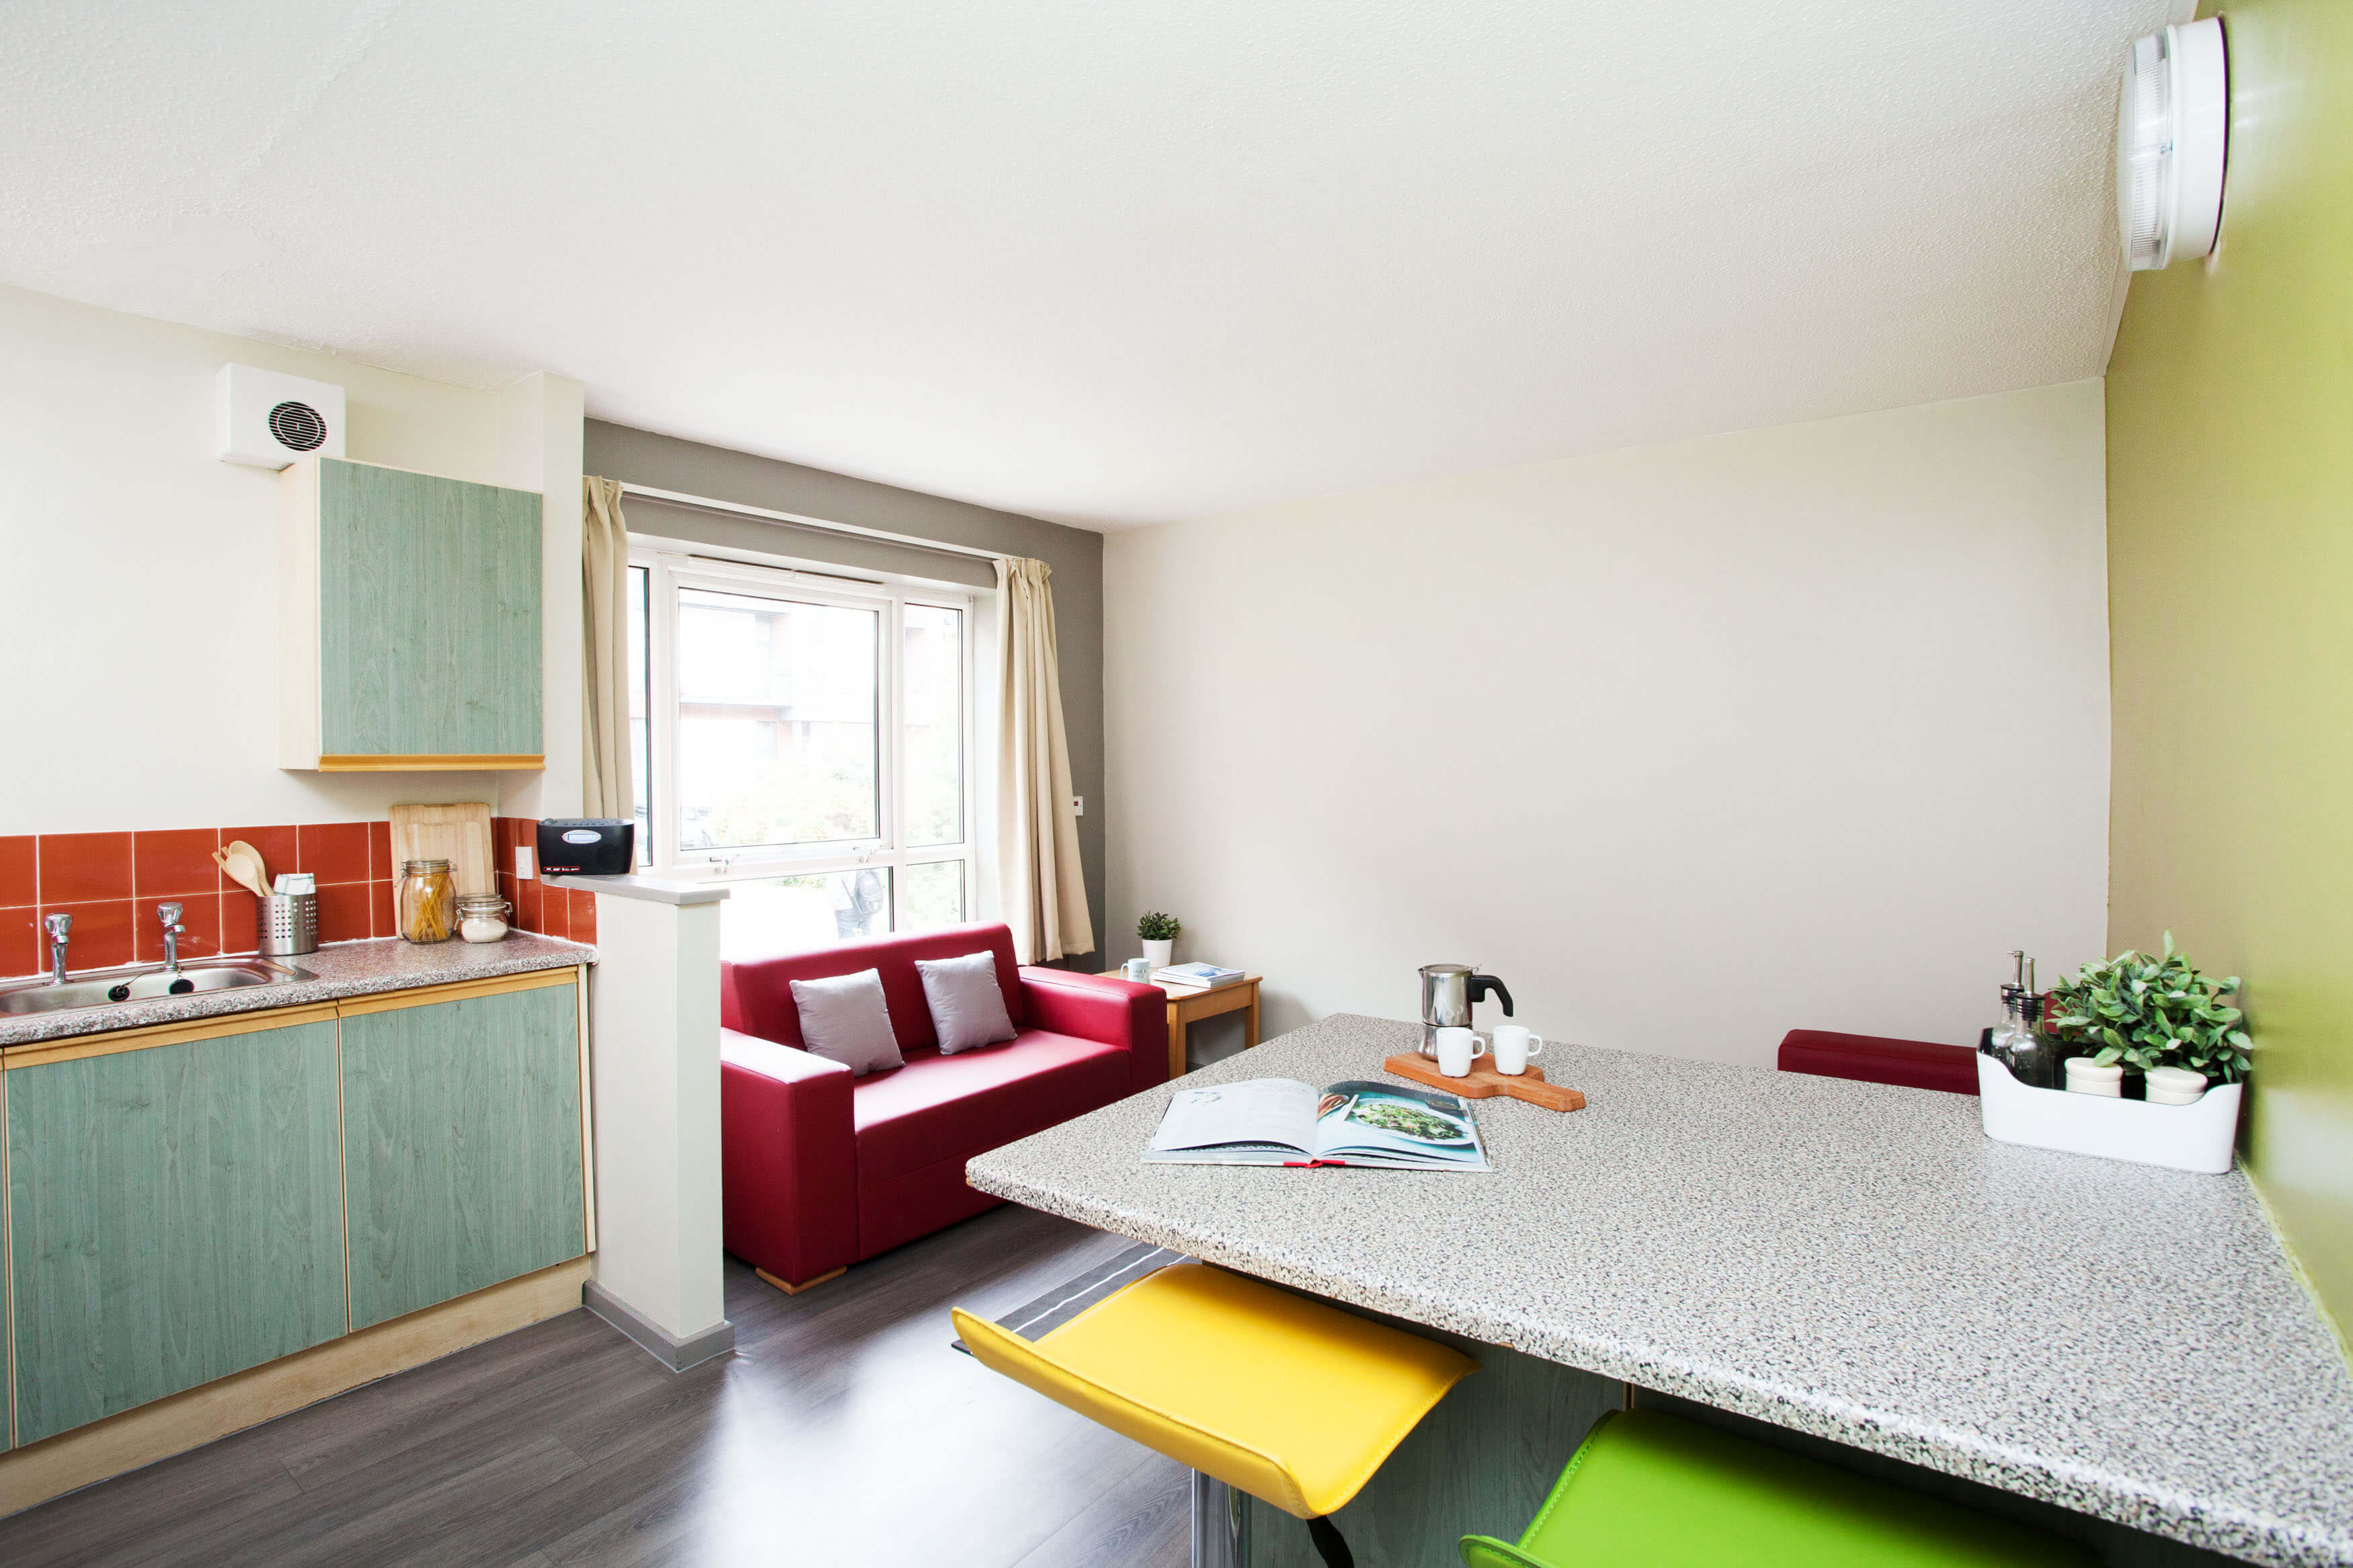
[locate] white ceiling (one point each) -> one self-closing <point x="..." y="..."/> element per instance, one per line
<point x="1108" y="263"/>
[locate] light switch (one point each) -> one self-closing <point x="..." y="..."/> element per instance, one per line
<point x="1078" y="806"/>
<point x="523" y="853"/>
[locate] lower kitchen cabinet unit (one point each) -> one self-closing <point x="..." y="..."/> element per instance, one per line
<point x="175" y="1215"/>
<point x="461" y="1143"/>
<point x="191" y="1200"/>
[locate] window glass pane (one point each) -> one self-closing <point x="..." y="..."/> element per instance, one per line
<point x="933" y="672"/>
<point x="793" y="914"/>
<point x="933" y="895"/>
<point x="777" y="732"/>
<point x="641" y="774"/>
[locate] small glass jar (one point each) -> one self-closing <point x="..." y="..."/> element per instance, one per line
<point x="429" y="901"/>
<point x="482" y="917"/>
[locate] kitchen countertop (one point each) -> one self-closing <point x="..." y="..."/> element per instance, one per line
<point x="1854" y="1260"/>
<point x="343" y="969"/>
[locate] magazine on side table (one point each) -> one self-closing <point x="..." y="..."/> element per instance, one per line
<point x="1282" y="1121"/>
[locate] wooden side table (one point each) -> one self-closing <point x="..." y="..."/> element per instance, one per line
<point x="1187" y="1005"/>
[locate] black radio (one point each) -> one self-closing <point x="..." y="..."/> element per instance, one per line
<point x="586" y="846"/>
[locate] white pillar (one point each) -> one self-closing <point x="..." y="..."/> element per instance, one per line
<point x="654" y="1071"/>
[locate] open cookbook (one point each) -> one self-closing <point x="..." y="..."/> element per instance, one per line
<point x="1282" y="1122"/>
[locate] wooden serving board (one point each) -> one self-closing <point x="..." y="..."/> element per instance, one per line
<point x="458" y="834"/>
<point x="1484" y="1082"/>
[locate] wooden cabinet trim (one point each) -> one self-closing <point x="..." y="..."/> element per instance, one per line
<point x="7" y="1276"/>
<point x="482" y="763"/>
<point x="73" y="1047"/>
<point x="587" y="1122"/>
<point x="456" y="990"/>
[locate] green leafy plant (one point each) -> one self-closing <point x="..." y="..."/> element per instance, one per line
<point x="1157" y="927"/>
<point x="2148" y="1011"/>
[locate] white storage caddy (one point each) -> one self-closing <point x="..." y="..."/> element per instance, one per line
<point x="2196" y="1137"/>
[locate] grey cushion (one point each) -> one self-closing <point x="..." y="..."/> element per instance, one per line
<point x="844" y="1019"/>
<point x="967" y="1004"/>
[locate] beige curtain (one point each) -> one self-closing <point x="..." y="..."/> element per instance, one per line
<point x="1039" y="880"/>
<point x="603" y="652"/>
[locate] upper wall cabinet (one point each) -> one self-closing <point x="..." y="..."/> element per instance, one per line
<point x="409" y="624"/>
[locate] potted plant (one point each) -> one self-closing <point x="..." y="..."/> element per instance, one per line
<point x="2147" y="1012"/>
<point x="2158" y="1017"/>
<point x="1158" y="932"/>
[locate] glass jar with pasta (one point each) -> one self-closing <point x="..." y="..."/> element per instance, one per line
<point x="429" y="901"/>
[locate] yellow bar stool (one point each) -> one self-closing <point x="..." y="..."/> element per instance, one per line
<point x="1294" y="1402"/>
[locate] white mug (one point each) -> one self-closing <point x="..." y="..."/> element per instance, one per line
<point x="1457" y="1049"/>
<point x="1513" y="1045"/>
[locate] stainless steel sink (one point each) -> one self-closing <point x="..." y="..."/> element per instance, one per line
<point x="141" y="981"/>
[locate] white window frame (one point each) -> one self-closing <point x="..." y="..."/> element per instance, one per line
<point x="672" y="564"/>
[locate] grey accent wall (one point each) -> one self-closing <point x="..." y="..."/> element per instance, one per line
<point x="668" y="463"/>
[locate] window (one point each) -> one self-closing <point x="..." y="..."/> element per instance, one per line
<point x="805" y="739"/>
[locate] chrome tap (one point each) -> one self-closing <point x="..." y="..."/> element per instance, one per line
<point x="57" y="926"/>
<point x="173" y="931"/>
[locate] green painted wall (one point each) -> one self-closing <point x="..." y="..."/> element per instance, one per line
<point x="2230" y="402"/>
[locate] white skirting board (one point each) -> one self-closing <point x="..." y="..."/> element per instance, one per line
<point x="2197" y="1137"/>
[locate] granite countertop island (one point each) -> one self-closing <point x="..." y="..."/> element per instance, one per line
<point x="342" y="969"/>
<point x="1853" y="1261"/>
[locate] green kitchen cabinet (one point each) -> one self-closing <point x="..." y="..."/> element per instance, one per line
<point x="409" y="621"/>
<point x="174" y="1211"/>
<point x="461" y="1140"/>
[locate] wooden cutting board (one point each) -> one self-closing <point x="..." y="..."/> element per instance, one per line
<point x="1484" y="1081"/>
<point x="458" y="834"/>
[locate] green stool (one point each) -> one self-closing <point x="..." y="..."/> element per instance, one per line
<point x="1652" y="1488"/>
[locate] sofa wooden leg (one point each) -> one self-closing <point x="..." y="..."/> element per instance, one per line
<point x="809" y="1285"/>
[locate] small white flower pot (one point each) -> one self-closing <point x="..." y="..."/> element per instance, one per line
<point x="1162" y="954"/>
<point x="2195" y="1137"/>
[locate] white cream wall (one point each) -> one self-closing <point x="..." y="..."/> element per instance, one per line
<point x="1692" y="744"/>
<point x="137" y="569"/>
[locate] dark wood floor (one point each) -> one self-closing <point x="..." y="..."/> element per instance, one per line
<point x="843" y="1431"/>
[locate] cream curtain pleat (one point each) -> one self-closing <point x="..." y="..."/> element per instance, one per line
<point x="1039" y="880"/>
<point x="603" y="652"/>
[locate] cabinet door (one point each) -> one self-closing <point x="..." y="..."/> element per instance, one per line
<point x="175" y="1214"/>
<point x="461" y="1127"/>
<point x="429" y="616"/>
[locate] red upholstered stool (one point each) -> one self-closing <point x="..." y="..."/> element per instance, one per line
<point x="1915" y="1064"/>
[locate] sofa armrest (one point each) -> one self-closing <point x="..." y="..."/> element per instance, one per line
<point x="1871" y="1059"/>
<point x="1097" y="1007"/>
<point x="787" y="1159"/>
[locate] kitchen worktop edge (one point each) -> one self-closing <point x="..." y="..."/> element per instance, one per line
<point x="340" y="970"/>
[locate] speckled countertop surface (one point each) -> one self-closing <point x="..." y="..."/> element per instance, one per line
<point x="343" y="969"/>
<point x="1854" y="1260"/>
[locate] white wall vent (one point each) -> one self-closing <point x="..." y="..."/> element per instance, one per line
<point x="269" y="420"/>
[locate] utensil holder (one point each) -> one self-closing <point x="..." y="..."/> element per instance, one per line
<point x="286" y="924"/>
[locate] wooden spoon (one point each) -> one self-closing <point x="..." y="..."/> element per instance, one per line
<point x="243" y="864"/>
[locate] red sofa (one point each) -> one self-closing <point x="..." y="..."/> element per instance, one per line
<point x="1915" y="1064"/>
<point x="818" y="1170"/>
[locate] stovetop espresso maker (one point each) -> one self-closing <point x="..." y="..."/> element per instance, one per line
<point x="1448" y="991"/>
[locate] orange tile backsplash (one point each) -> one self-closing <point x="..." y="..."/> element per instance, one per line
<point x="274" y="845"/>
<point x="167" y="865"/>
<point x="80" y="867"/>
<point x="200" y="912"/>
<point x="112" y="882"/>
<point x="23" y="949"/>
<point x="101" y="933"/>
<point x="332" y="851"/>
<point x="19" y="882"/>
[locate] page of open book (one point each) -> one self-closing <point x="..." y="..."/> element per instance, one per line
<point x="1261" y="1110"/>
